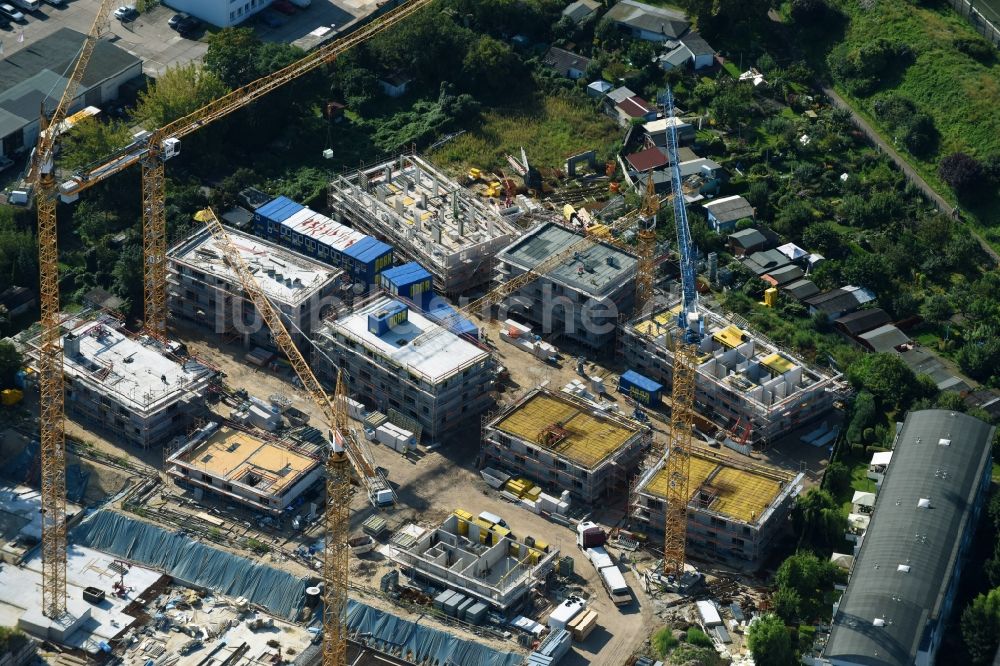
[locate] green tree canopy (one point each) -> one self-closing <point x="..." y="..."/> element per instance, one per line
<point x="885" y="376"/>
<point x="770" y="643"/>
<point x="818" y="521"/>
<point x="90" y="140"/>
<point x="980" y="626"/>
<point x="802" y="581"/>
<point x="180" y="91"/>
<point x="10" y="362"/>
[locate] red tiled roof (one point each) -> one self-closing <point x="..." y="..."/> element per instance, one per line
<point x="635" y="107"/>
<point x="650" y="158"/>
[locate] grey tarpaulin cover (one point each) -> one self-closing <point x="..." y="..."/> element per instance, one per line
<point x="420" y="644"/>
<point x="176" y="554"/>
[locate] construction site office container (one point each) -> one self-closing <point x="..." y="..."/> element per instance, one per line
<point x="268" y="218"/>
<point x="411" y="281"/>
<point x="476" y="613"/>
<point x="385" y="319"/>
<point x="458" y="325"/>
<point x="464" y="608"/>
<point x="642" y="389"/>
<point x="366" y="258"/>
<point x="452" y="604"/>
<point x="440" y="599"/>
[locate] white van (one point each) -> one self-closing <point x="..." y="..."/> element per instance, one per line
<point x="493" y="519"/>
<point x="29" y="5"/>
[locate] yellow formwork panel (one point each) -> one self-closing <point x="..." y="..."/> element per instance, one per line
<point x="463" y="514"/>
<point x="777" y="363"/>
<point x="589" y="439"/>
<point x="731" y="336"/>
<point x="700" y="470"/>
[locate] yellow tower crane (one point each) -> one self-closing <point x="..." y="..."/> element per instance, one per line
<point x="41" y="174"/>
<point x="153" y="149"/>
<point x="347" y="449"/>
<point x="647" y="244"/>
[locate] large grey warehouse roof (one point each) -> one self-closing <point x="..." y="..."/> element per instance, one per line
<point x="902" y="572"/>
<point x="596" y="271"/>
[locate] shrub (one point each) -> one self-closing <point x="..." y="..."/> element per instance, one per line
<point x="663" y="641"/>
<point x="696" y="636"/>
<point x="975" y="48"/>
<point x="964" y="174"/>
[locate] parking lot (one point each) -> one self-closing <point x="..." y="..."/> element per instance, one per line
<point x="151" y="39"/>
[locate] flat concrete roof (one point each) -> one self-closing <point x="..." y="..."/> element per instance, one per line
<point x="596" y="271"/>
<point x="141" y="377"/>
<point x="233" y="455"/>
<point x="284" y="276"/>
<point x="587" y="437"/>
<point x="739" y="493"/>
<point x="434" y="357"/>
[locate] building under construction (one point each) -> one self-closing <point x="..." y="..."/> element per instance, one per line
<point x="743" y="383"/>
<point x="583" y="298"/>
<point x="398" y="360"/>
<point x="735" y="513"/>
<point x="132" y="387"/>
<point x="264" y="475"/>
<point x="480" y="560"/>
<point x="427" y="217"/>
<point x="203" y="289"/>
<point x="564" y="443"/>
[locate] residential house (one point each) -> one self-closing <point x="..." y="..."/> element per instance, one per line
<point x="649" y="159"/>
<point x="783" y="275"/>
<point x="656" y="134"/>
<point x="220" y="13"/>
<point x="836" y="303"/>
<point x="675" y="58"/>
<point x="801" y="289"/>
<point x="862" y="321"/>
<point x="724" y="213"/>
<point x="395" y="84"/>
<point x="702" y="53"/>
<point x="747" y="241"/>
<point x="581" y="10"/>
<point x="625" y="109"/>
<point x="599" y="88"/>
<point x="17" y="300"/>
<point x="886" y="338"/>
<point x="566" y="63"/>
<point x="642" y="21"/>
<point x="702" y="175"/>
<point x="764" y="262"/>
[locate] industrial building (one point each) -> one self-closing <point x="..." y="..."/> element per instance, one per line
<point x="132" y="387"/>
<point x="583" y="298"/>
<point x="905" y="577"/>
<point x="204" y="289"/>
<point x="397" y="359"/>
<point x="735" y="512"/>
<point x="742" y="379"/>
<point x="259" y="474"/>
<point x="564" y="443"/>
<point x="480" y="560"/>
<point x="314" y="235"/>
<point x="427" y="217"/>
<point x="29" y="77"/>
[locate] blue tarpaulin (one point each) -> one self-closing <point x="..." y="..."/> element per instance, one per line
<point x="419" y="644"/>
<point x="177" y="555"/>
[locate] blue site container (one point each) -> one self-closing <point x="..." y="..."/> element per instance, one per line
<point x="387" y="318"/>
<point x="411" y="281"/>
<point x="268" y="218"/>
<point x="367" y="258"/>
<point x="457" y="325"/>
<point x="642" y="389"/>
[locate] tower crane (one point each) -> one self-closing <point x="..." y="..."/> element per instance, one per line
<point x="347" y="450"/>
<point x="152" y="149"/>
<point x="677" y="465"/>
<point x="41" y="173"/>
<point x="646" y="244"/>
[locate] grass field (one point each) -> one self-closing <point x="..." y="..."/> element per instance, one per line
<point x="549" y="128"/>
<point x="961" y="94"/>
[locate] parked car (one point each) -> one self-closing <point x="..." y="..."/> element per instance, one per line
<point x="57" y="3"/>
<point x="125" y="14"/>
<point x="10" y="12"/>
<point x="284" y="7"/>
<point x="177" y="19"/>
<point x="187" y="26"/>
<point x="4" y="22"/>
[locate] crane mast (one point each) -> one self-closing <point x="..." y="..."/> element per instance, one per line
<point x="677" y="465"/>
<point x="346" y="450"/>
<point x="647" y="244"/>
<point x="50" y="356"/>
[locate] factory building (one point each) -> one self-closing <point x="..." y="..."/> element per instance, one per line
<point x="563" y="443"/>
<point x="238" y="467"/>
<point x="481" y="561"/>
<point x="905" y="578"/>
<point x="741" y="378"/>
<point x="583" y="298"/>
<point x="304" y="230"/>
<point x="398" y="360"/>
<point x="202" y="288"/>
<point x="133" y="388"/>
<point x="735" y="512"/>
<point x="427" y="217"/>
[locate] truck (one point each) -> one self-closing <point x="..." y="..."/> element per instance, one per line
<point x="590" y="538"/>
<point x="521" y="336"/>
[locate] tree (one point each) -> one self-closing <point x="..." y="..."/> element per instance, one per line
<point x="10" y="362"/>
<point x="128" y="275"/>
<point x="769" y="642"/>
<point x="980" y="626"/>
<point x="825" y="239"/>
<point x="793" y="218"/>
<point x="818" y="521"/>
<point x="232" y="55"/>
<point x="733" y="104"/>
<point x="806" y="578"/>
<point x="937" y="309"/>
<point x="837" y="478"/>
<point x="863" y="417"/>
<point x="808" y="11"/>
<point x="489" y="60"/>
<point x="90" y="140"/>
<point x="885" y="376"/>
<point x="964" y="174"/>
<point x="180" y="91"/>
<point x="980" y="359"/>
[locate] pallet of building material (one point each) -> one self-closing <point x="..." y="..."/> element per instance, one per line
<point x="584" y="625"/>
<point x="494" y="478"/>
<point x="374" y="526"/>
<point x="375" y="419"/>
